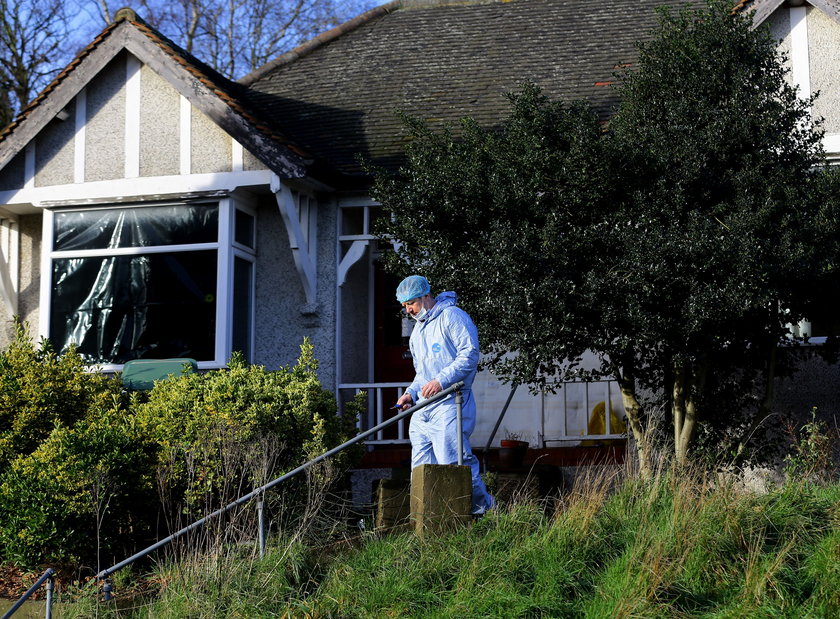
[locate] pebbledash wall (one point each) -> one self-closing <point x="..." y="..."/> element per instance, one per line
<point x="283" y="317"/>
<point x="810" y="40"/>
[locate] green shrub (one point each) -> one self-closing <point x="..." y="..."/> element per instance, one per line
<point x="86" y="488"/>
<point x="224" y="432"/>
<point x="40" y="390"/>
<point x="812" y="452"/>
<point x="86" y="472"/>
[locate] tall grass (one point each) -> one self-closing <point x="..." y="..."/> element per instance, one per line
<point x="677" y="546"/>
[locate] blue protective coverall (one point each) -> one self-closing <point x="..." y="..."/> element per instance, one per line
<point x="444" y="346"/>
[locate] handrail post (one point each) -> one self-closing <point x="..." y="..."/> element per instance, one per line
<point x="107" y="587"/>
<point x="45" y="577"/>
<point x="498" y="423"/>
<point x="50" y="587"/>
<point x="261" y="524"/>
<point x="459" y="401"/>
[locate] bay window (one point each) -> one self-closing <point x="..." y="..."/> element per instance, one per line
<point x="150" y="281"/>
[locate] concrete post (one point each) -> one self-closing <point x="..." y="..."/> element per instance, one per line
<point x="392" y="504"/>
<point x="441" y="497"/>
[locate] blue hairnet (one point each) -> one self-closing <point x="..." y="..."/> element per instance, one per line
<point x="412" y="287"/>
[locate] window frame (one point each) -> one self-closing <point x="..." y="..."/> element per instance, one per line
<point x="226" y="249"/>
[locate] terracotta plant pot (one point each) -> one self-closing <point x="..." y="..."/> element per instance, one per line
<point x="512" y="453"/>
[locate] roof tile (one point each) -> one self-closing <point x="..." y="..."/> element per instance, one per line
<point x="339" y="96"/>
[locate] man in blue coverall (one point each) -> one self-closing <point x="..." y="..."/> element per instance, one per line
<point x="444" y="348"/>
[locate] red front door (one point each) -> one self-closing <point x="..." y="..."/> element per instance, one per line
<point x="392" y="363"/>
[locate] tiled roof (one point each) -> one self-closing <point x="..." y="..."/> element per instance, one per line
<point x="443" y="61"/>
<point x="227" y="91"/>
<point x="829" y="7"/>
<point x="761" y="9"/>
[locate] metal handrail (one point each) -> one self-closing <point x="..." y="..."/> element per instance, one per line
<point x="103" y="575"/>
<point x="46" y="576"/>
<point x="377" y="408"/>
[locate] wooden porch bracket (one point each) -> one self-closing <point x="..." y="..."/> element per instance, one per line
<point x="300" y="217"/>
<point x="353" y="255"/>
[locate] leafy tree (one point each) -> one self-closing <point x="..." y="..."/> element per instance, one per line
<point x="676" y="246"/>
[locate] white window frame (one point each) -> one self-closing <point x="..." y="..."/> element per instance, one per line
<point x="225" y="248"/>
<point x="249" y="254"/>
<point x="9" y="260"/>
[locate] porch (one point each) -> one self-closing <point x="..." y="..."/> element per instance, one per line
<point x="566" y="426"/>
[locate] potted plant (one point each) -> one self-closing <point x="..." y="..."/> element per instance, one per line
<point x="512" y="451"/>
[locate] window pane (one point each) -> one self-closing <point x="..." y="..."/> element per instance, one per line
<point x="136" y="227"/>
<point x="353" y="220"/>
<point x="825" y="324"/>
<point x="128" y="307"/>
<point x="244" y="228"/>
<point x="823" y="314"/>
<point x="242" y="296"/>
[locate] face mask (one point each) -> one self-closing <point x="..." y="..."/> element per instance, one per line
<point x="421" y="315"/>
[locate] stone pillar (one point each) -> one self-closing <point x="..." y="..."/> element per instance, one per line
<point x="392" y="503"/>
<point x="441" y="497"/>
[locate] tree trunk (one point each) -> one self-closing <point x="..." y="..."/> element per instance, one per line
<point x="688" y="385"/>
<point x="633" y="409"/>
<point x="678" y="406"/>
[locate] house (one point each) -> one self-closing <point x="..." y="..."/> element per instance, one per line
<point x="151" y="208"/>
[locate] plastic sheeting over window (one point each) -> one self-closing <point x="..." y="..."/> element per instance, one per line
<point x="136" y="227"/>
<point x="146" y="304"/>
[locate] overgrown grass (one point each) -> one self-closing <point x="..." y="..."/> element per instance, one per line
<point x="679" y="546"/>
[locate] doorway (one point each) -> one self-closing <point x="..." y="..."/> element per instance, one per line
<point x="392" y="359"/>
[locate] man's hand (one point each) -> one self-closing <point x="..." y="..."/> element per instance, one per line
<point x="431" y="388"/>
<point x="405" y="401"/>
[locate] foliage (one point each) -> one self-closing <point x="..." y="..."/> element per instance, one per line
<point x="40" y="390"/>
<point x="813" y="450"/>
<point x="85" y="488"/>
<point x="675" y="246"/>
<point x="669" y="547"/>
<point x="725" y="208"/>
<point x="203" y="422"/>
<point x="482" y="212"/>
<point x="88" y="472"/>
